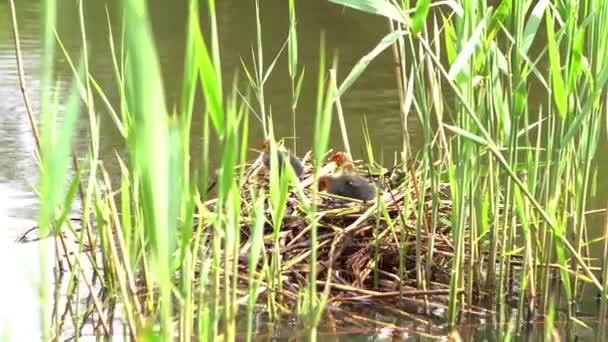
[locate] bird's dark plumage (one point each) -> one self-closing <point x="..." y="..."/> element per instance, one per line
<point x="348" y="185"/>
<point x="295" y="163"/>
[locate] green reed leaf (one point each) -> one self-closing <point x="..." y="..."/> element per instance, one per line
<point x="557" y="82"/>
<point x="422" y="10"/>
<point x="378" y="7"/>
<point x="362" y="64"/>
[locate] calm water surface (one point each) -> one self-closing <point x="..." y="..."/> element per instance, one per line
<point x="348" y="33"/>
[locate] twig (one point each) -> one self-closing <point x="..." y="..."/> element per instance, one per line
<point x="26" y="100"/>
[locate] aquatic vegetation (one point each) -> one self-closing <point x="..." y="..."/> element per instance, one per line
<point x="494" y="207"/>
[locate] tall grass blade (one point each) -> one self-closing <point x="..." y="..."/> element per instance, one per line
<point x="150" y="147"/>
<point x="210" y="82"/>
<point x="422" y="10"/>
<point x="378" y="7"/>
<point x="533" y="23"/>
<point x="557" y="81"/>
<point x="360" y="67"/>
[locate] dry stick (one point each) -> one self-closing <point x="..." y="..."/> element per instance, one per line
<point x="26" y="100"/>
<point x="300" y="257"/>
<point x="253" y="170"/>
<point x="595" y="211"/>
<point x="340" y="112"/>
<point x="399" y="77"/>
<point x="390" y="294"/>
<point x="388" y="200"/>
<point x="305" y="244"/>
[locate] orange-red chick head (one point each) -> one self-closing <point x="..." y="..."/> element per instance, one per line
<point x="341" y="159"/>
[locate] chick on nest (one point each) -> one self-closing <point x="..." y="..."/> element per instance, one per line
<point x="345" y="182"/>
<point x="282" y="155"/>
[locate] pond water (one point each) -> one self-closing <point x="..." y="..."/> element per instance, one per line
<point x="349" y="33"/>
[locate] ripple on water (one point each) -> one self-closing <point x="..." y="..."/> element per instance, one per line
<point x="18" y="210"/>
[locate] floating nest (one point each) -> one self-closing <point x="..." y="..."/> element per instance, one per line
<point x="377" y="253"/>
<point x="366" y="252"/>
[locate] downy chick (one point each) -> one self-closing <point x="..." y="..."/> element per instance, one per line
<point x="345" y="182"/>
<point x="348" y="185"/>
<point x="282" y="155"/>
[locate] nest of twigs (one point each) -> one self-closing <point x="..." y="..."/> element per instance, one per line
<point x="366" y="251"/>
